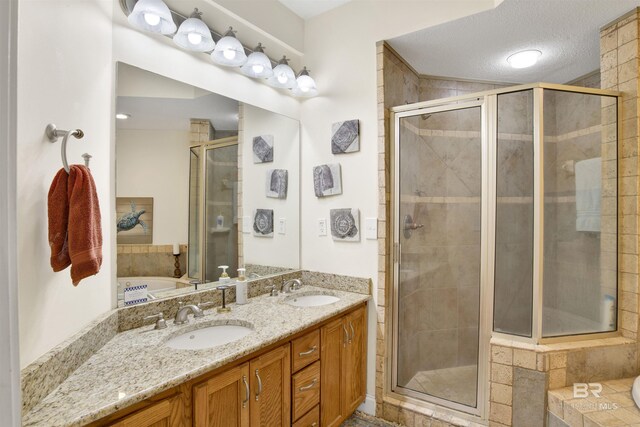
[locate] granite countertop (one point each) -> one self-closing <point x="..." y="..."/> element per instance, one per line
<point x="135" y="364"/>
<point x="613" y="406"/>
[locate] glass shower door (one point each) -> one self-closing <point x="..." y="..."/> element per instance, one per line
<point x="439" y="177"/>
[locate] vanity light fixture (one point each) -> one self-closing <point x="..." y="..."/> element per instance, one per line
<point x="306" y="86"/>
<point x="283" y="76"/>
<point x="524" y="59"/>
<point x="229" y="51"/>
<point x="122" y="116"/>
<point x="194" y="34"/>
<point x="153" y="16"/>
<point x="258" y="65"/>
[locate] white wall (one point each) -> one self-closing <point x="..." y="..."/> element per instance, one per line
<point x="66" y="77"/>
<point x="155" y="163"/>
<point x="283" y="250"/>
<point x="9" y="359"/>
<point x="340" y="50"/>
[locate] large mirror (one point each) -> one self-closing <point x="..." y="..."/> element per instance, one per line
<point x="202" y="181"/>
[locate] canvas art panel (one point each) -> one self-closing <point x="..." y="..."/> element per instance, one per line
<point x="277" y="183"/>
<point x="327" y="180"/>
<point x="263" y="149"/>
<point x="263" y="223"/>
<point x="345" y="137"/>
<point x="345" y="224"/>
<point x="134" y="220"/>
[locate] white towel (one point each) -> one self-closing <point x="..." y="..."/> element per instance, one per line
<point x="588" y="193"/>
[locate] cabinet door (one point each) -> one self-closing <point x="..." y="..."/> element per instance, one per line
<point x="271" y="388"/>
<point x="354" y="365"/>
<point x="333" y="342"/>
<point x="223" y="401"/>
<point x="166" y="413"/>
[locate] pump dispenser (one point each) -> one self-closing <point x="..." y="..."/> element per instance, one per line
<point x="224" y="277"/>
<point x="241" y="287"/>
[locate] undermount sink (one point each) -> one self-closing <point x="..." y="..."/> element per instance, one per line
<point x="315" y="300"/>
<point x="208" y="337"/>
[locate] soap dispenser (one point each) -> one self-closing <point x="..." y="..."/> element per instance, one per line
<point x="224" y="277"/>
<point x="241" y="287"/>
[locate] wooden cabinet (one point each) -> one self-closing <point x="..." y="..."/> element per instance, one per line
<point x="271" y="388"/>
<point x="256" y="393"/>
<point x="166" y="413"/>
<point x="317" y="377"/>
<point x="224" y="400"/>
<point x="343" y="367"/>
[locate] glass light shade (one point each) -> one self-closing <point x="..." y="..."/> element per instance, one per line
<point x="153" y="16"/>
<point x="258" y="65"/>
<point x="305" y="85"/>
<point x="283" y="76"/>
<point x="524" y="59"/>
<point x="194" y="34"/>
<point x="229" y="51"/>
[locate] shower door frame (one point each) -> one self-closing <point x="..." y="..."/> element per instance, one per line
<point x="488" y="102"/>
<point x="487" y="212"/>
<point x="202" y="220"/>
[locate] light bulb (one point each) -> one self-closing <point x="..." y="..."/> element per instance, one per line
<point x="151" y="19"/>
<point x="257" y="68"/>
<point x="524" y="59"/>
<point x="282" y="78"/>
<point x="304" y="88"/>
<point x="194" y="38"/>
<point x="229" y="53"/>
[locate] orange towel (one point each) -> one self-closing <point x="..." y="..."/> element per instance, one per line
<point x="83" y="244"/>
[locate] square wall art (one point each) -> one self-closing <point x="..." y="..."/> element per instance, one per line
<point x="327" y="180"/>
<point x="263" y="149"/>
<point x="345" y="224"/>
<point x="134" y="220"/>
<point x="345" y="137"/>
<point x="277" y="183"/>
<point x="263" y="223"/>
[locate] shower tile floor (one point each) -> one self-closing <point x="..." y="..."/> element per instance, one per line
<point x="456" y="384"/>
<point x="363" y="420"/>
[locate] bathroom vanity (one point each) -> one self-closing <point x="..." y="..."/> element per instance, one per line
<point x="299" y="365"/>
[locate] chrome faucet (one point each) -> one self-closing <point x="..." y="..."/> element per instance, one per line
<point x="291" y="285"/>
<point x="253" y="276"/>
<point x="183" y="312"/>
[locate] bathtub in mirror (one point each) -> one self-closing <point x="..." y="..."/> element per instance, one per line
<point x="205" y="177"/>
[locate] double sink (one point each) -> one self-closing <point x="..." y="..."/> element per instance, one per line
<point x="226" y="332"/>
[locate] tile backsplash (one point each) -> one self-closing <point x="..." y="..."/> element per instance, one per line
<point x="149" y="260"/>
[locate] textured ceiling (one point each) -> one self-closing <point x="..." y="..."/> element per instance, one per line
<point x="309" y="8"/>
<point x="476" y="47"/>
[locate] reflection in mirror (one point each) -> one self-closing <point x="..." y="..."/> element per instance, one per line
<point x="202" y="181"/>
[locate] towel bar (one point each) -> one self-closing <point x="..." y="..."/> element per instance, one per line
<point x="53" y="133"/>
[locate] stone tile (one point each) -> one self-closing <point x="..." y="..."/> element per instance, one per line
<point x="502" y="355"/>
<point x="501" y="393"/>
<point x="524" y="358"/>
<point x="500" y="413"/>
<point x="501" y="374"/>
<point x="528" y="396"/>
<point x="553" y="421"/>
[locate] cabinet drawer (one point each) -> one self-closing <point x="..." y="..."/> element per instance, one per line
<point x="305" y="350"/>
<point x="306" y="390"/>
<point x="310" y="419"/>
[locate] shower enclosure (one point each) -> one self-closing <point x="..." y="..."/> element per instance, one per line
<point x="213" y="214"/>
<point x="504" y="223"/>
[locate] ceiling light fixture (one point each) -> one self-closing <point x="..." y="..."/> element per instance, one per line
<point x="283" y="76"/>
<point x="153" y="16"/>
<point x="306" y="86"/>
<point x="258" y="64"/>
<point x="229" y="51"/>
<point x="122" y="116"/>
<point x="524" y="59"/>
<point x="194" y="34"/>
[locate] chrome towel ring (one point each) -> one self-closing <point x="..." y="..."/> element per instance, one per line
<point x="53" y="133"/>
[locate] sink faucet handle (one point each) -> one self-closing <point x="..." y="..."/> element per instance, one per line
<point x="202" y="306"/>
<point x="273" y="289"/>
<point x="160" y="322"/>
